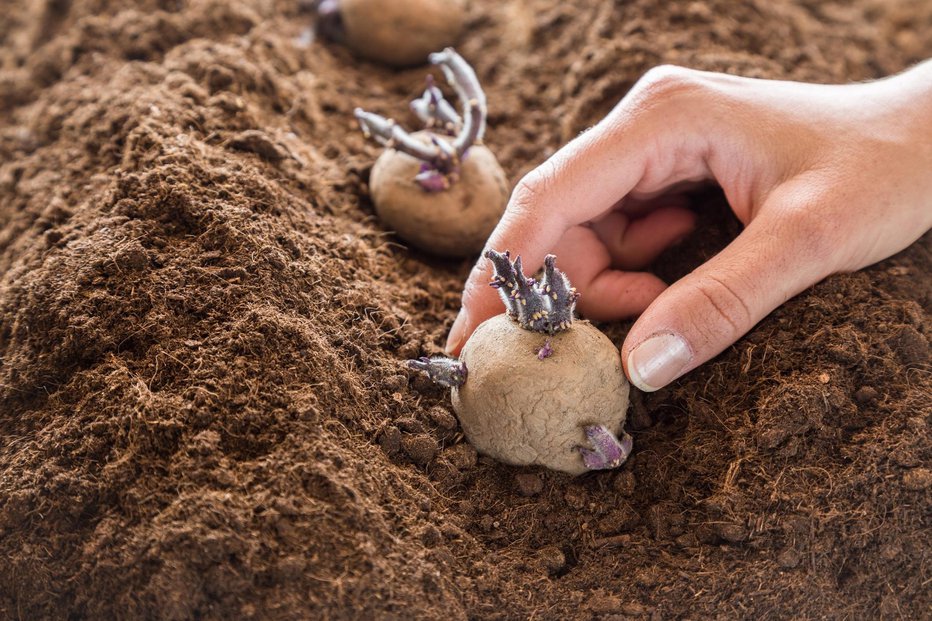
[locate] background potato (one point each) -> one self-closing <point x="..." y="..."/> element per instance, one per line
<point x="452" y="223"/>
<point x="401" y="32"/>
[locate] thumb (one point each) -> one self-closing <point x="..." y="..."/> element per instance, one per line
<point x="479" y="302"/>
<point x="776" y="257"/>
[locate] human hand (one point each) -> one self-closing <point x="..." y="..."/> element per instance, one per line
<point x="825" y="178"/>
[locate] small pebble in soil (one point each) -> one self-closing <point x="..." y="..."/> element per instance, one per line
<point x="390" y="440"/>
<point x="917" y="479"/>
<point x="891" y="551"/>
<point x="657" y="523"/>
<point x="732" y="533"/>
<point x="420" y="448"/>
<point x="910" y="346"/>
<point x="639" y="417"/>
<point x="529" y="484"/>
<point x="575" y="497"/>
<point x="551" y="559"/>
<point x="604" y="603"/>
<point x="410" y="425"/>
<point x="488" y="523"/>
<point x="624" y="483"/>
<point x="260" y="143"/>
<point x="422" y="384"/>
<point x="396" y="383"/>
<point x="442" y="417"/>
<point x="463" y="456"/>
<point x="865" y="395"/>
<point x="431" y="536"/>
<point x="788" y="558"/>
<point x="647" y="577"/>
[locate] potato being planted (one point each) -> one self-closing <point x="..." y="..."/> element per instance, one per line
<point x="439" y="189"/>
<point x="399" y="33"/>
<point x="534" y="387"/>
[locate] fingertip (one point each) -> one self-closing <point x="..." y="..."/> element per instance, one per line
<point x="457" y="336"/>
<point x="618" y="295"/>
<point x="479" y="303"/>
<point x="658" y="360"/>
<point x="636" y="243"/>
<point x="679" y="221"/>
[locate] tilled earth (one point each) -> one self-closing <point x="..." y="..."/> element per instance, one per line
<point x="203" y="408"/>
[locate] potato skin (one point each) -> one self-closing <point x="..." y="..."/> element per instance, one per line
<point x="452" y="223"/>
<point x="401" y="33"/>
<point x="524" y="411"/>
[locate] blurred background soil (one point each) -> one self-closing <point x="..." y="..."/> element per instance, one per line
<point x="203" y="408"/>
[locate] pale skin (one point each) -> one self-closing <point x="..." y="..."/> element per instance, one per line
<point x="825" y="178"/>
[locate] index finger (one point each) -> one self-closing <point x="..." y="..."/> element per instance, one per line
<point x="645" y="143"/>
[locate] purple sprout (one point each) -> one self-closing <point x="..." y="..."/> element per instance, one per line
<point x="533" y="311"/>
<point x="442" y="156"/>
<point x="432" y="179"/>
<point x="444" y="371"/>
<point x="329" y="19"/>
<point x="546" y="351"/>
<point x="436" y="112"/>
<point x="546" y="306"/>
<point x="522" y="299"/>
<point x="504" y="280"/>
<point x="556" y="286"/>
<point x="605" y="450"/>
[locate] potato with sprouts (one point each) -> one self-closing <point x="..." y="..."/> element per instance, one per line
<point x="440" y="189"/>
<point x="533" y="386"/>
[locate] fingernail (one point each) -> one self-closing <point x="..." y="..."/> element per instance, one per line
<point x="455" y="338"/>
<point x="658" y="361"/>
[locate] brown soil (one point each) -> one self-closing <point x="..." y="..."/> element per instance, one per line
<point x="203" y="409"/>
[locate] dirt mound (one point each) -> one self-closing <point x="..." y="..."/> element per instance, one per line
<point x="203" y="410"/>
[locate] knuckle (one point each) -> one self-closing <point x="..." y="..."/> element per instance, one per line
<point x="533" y="185"/>
<point x="666" y="81"/>
<point x="815" y="234"/>
<point x="663" y="91"/>
<point x="724" y="303"/>
<point x="478" y="277"/>
<point x="525" y="193"/>
<point x="471" y="291"/>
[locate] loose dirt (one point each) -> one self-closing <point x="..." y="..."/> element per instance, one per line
<point x="204" y="412"/>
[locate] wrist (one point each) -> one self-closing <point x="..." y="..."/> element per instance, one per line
<point x="914" y="109"/>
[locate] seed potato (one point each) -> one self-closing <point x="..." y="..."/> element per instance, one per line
<point x="453" y="223"/>
<point x="523" y="410"/>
